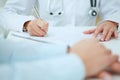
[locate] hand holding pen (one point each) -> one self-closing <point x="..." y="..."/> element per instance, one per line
<point x="36" y="27"/>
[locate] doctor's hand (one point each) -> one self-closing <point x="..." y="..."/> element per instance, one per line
<point x="95" y="56"/>
<point x="36" y="27"/>
<point x="107" y="28"/>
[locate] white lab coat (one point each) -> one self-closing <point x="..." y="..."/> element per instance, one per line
<point x="76" y="12"/>
<point x="20" y="61"/>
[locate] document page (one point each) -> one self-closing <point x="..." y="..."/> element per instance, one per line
<point x="63" y="35"/>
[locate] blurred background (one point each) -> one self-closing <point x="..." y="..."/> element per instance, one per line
<point x="2" y="2"/>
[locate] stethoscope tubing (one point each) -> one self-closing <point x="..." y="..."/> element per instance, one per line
<point x="93" y="5"/>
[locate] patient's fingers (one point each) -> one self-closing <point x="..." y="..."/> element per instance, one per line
<point x="104" y="75"/>
<point x="115" y="67"/>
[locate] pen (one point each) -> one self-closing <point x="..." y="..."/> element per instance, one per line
<point x="38" y="16"/>
<point x="36" y="12"/>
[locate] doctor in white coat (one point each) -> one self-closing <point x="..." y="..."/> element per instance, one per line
<point x="16" y="15"/>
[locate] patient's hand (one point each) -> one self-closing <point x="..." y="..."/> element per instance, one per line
<point x="95" y="56"/>
<point x="37" y="27"/>
<point x="107" y="74"/>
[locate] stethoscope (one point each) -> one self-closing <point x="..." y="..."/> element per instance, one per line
<point x="92" y="12"/>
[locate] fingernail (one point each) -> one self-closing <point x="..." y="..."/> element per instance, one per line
<point x="107" y="78"/>
<point x="106" y="39"/>
<point x="102" y="39"/>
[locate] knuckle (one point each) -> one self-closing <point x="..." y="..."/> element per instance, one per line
<point x="104" y="33"/>
<point x="41" y="32"/>
<point x="108" y="51"/>
<point x="111" y="31"/>
<point x="44" y="24"/>
<point x="108" y="59"/>
<point x="106" y="28"/>
<point x="47" y="24"/>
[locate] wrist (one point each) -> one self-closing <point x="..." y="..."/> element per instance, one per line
<point x="68" y="49"/>
<point x="114" y="23"/>
<point x="25" y="26"/>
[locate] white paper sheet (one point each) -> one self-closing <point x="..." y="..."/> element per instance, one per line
<point x="65" y="35"/>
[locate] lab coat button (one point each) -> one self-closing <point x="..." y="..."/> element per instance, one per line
<point x="51" y="13"/>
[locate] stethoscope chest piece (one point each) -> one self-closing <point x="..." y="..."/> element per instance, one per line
<point x="93" y="12"/>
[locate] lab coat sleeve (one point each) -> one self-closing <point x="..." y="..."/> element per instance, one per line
<point x="15" y="13"/>
<point x="68" y="67"/>
<point x="110" y="10"/>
